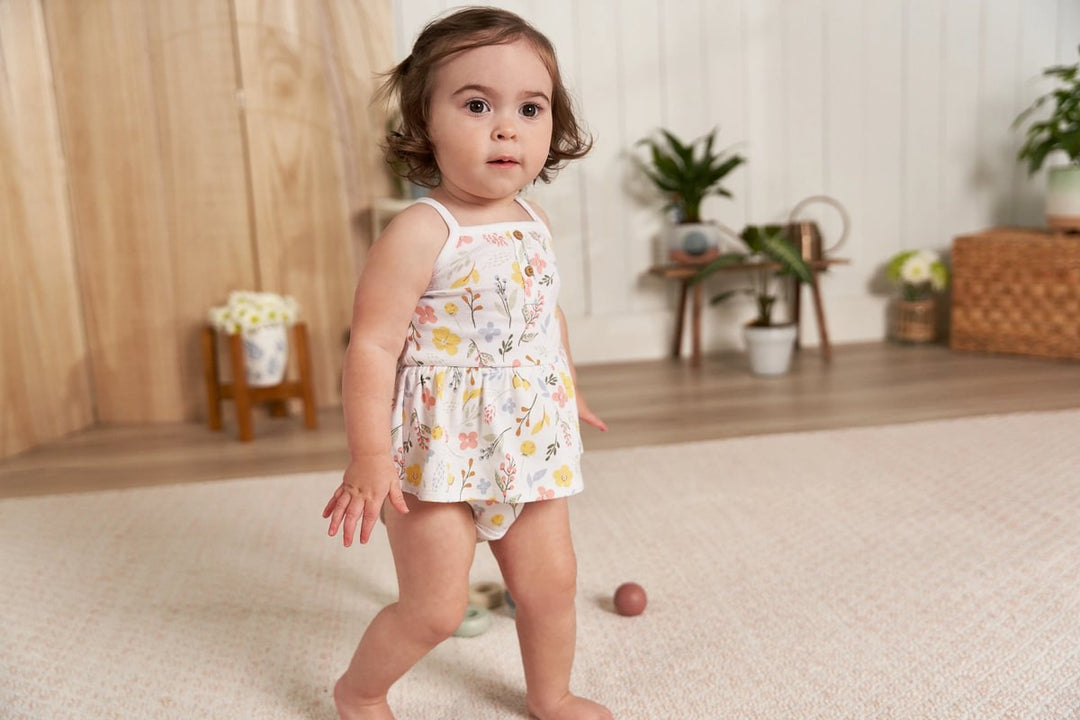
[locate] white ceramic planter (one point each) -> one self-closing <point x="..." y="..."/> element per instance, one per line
<point x="770" y="348"/>
<point x="266" y="354"/>
<point x="1063" y="197"/>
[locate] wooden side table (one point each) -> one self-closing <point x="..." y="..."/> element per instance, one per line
<point x="246" y="396"/>
<point x="683" y="274"/>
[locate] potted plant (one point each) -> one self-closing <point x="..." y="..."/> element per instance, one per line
<point x="919" y="275"/>
<point x="262" y="318"/>
<point x="1060" y="132"/>
<point x="770" y="257"/>
<point x="687" y="173"/>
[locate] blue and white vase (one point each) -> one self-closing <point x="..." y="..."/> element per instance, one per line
<point x="266" y="354"/>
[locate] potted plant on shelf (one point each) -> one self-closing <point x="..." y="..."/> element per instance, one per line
<point x="1060" y="132"/>
<point x="262" y="318"/>
<point x="920" y="275"/>
<point x="771" y="257"/>
<point x="687" y="173"/>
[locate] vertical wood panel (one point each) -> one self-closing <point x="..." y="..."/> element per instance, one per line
<point x="998" y="81"/>
<point x="355" y="34"/>
<point x="846" y="132"/>
<point x="765" y="119"/>
<point x="107" y="110"/>
<point x="883" y="148"/>
<point x="1039" y="21"/>
<point x="803" y="104"/>
<point x="960" y="109"/>
<point x="202" y="164"/>
<point x="300" y="192"/>
<point x="922" y="118"/>
<point x="609" y="281"/>
<point x="640" y="64"/>
<point x="43" y="365"/>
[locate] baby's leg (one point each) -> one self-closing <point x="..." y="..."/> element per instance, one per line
<point x="537" y="560"/>
<point x="433" y="550"/>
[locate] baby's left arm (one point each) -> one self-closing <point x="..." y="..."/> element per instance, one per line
<point x="584" y="413"/>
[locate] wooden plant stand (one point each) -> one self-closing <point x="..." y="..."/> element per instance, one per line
<point x="246" y="396"/>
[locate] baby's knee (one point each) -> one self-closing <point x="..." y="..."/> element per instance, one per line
<point x="555" y="586"/>
<point x="434" y="621"/>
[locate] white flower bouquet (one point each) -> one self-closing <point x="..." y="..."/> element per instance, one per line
<point x="918" y="273"/>
<point x="248" y="311"/>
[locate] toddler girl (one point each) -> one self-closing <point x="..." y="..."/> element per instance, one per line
<point x="455" y="326"/>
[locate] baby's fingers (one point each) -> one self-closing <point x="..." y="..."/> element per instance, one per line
<point x="352" y="516"/>
<point x="333" y="501"/>
<point x="397" y="499"/>
<point x="341" y="507"/>
<point x="371" y="516"/>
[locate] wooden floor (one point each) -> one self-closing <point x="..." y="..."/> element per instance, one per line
<point x="644" y="403"/>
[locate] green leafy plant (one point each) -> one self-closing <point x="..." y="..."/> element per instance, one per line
<point x="770" y="256"/>
<point x="918" y="273"/>
<point x="1059" y="131"/>
<point x="685" y="175"/>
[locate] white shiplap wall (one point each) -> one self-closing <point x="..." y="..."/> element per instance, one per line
<point x="901" y="109"/>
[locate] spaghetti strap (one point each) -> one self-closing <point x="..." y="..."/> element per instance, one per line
<point x="528" y="208"/>
<point x="448" y="218"/>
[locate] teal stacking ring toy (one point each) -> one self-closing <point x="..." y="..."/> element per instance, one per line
<point x="477" y="621"/>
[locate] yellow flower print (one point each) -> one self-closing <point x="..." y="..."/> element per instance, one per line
<point x="516" y="275"/>
<point x="568" y="383"/>
<point x="464" y="280"/>
<point x="520" y="382"/>
<point x="412" y="475"/>
<point x="563" y="476"/>
<point x="528" y="448"/>
<point x="440" y="383"/>
<point x="450" y="308"/>
<point x="437" y="432"/>
<point x="497" y="520"/>
<point x="445" y="340"/>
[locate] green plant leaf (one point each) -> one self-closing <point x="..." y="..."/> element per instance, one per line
<point x="723" y="261"/>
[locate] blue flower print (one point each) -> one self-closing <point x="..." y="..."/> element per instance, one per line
<point x="509" y="405"/>
<point x="483" y="485"/>
<point x="490" y="332"/>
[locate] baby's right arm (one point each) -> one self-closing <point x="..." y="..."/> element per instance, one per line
<point x="396" y="273"/>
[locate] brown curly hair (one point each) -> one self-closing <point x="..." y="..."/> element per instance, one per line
<point x="408" y="148"/>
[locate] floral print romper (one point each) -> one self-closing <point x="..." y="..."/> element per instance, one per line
<point x="484" y="408"/>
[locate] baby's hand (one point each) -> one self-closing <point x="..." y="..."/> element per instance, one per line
<point x="586" y="415"/>
<point x="361" y="494"/>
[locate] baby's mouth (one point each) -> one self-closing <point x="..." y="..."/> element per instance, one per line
<point x="503" y="161"/>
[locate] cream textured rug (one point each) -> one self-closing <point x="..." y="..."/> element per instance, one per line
<point x="915" y="571"/>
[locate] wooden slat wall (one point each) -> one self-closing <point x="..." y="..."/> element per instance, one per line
<point x="202" y="164"/>
<point x="174" y="192"/>
<point x="106" y="98"/>
<point x="43" y="363"/>
<point x="301" y="144"/>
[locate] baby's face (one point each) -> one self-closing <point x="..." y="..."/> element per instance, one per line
<point x="490" y="120"/>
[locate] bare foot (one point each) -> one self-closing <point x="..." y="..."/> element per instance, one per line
<point x="571" y="707"/>
<point x="351" y="707"/>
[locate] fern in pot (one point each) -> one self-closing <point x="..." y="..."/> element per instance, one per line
<point x="1059" y="132"/>
<point x="771" y="260"/>
<point x="686" y="174"/>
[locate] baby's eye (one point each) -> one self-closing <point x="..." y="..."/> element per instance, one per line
<point x="476" y="106"/>
<point x="530" y="110"/>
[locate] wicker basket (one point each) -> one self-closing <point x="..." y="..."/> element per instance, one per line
<point x="1017" y="291"/>
<point x="914" y="321"/>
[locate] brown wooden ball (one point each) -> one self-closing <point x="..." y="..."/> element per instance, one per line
<point x="630" y="599"/>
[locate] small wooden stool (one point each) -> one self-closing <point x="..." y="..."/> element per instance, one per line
<point x="246" y="396"/>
